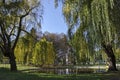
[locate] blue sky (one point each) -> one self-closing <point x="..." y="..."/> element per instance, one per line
<point x="53" y="20"/>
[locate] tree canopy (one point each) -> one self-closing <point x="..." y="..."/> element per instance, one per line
<point x="15" y="15"/>
<point x="96" y="20"/>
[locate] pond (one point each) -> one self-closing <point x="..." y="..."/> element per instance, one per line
<point x="72" y="70"/>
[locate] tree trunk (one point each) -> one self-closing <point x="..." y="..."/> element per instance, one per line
<point x="112" y="63"/>
<point x="12" y="61"/>
<point x="111" y="57"/>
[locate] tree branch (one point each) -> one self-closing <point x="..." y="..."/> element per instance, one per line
<point x="28" y="33"/>
<point x="20" y="27"/>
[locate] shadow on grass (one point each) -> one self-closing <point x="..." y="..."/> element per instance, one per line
<point x="6" y="74"/>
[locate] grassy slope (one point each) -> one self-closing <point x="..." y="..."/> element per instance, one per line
<point x="5" y="74"/>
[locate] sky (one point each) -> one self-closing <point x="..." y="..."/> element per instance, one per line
<point x="53" y="20"/>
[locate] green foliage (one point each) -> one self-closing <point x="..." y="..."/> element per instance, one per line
<point x="13" y="20"/>
<point x="81" y="47"/>
<point x="117" y="54"/>
<point x="30" y="51"/>
<point x="25" y="47"/>
<point x="94" y="17"/>
<point x="19" y="51"/>
<point x="43" y="53"/>
<point x="97" y="22"/>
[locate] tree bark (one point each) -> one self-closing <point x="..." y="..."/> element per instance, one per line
<point x="13" y="66"/>
<point x="111" y="57"/>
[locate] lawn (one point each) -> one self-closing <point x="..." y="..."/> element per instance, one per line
<point x="5" y="74"/>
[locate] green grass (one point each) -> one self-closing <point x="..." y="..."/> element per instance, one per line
<point x="5" y="74"/>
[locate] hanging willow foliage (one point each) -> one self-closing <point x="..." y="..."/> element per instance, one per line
<point x="94" y="16"/>
<point x="98" y="19"/>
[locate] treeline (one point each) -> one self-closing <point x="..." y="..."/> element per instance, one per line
<point x="39" y="53"/>
<point x="37" y="49"/>
<point x="40" y="49"/>
<point x="49" y="49"/>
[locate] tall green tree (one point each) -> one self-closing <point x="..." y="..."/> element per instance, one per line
<point x="25" y="47"/>
<point x="99" y="19"/>
<point x="43" y="53"/>
<point x="14" y="17"/>
<point x="81" y="47"/>
<point x="20" y="50"/>
<point x="30" y="43"/>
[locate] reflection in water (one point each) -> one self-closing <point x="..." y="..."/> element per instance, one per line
<point x="67" y="71"/>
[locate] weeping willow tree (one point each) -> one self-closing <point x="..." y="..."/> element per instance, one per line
<point x="99" y="19"/>
<point x="43" y="53"/>
<point x="15" y="15"/>
<point x="25" y="47"/>
<point x="81" y="47"/>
